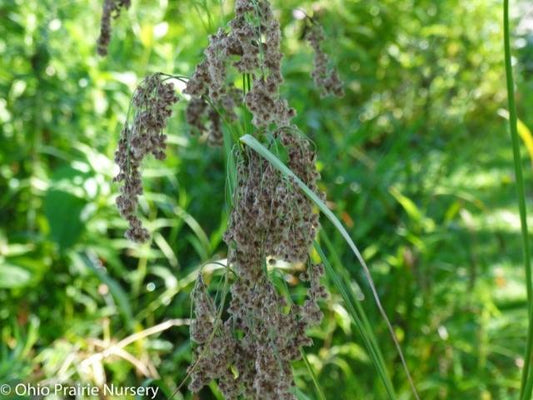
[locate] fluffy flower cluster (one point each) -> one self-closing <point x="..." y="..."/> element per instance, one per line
<point x="250" y="353"/>
<point x="214" y="354"/>
<point x="110" y="10"/>
<point x="252" y="42"/>
<point x="271" y="218"/>
<point x="152" y="102"/>
<point x="204" y="118"/>
<point x="258" y="364"/>
<point x="327" y="79"/>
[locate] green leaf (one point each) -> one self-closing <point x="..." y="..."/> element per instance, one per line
<point x="63" y="206"/>
<point x="13" y="276"/>
<point x="409" y="206"/>
<point x="118" y="293"/>
<point x="63" y="211"/>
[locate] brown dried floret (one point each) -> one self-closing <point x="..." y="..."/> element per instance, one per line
<point x="267" y="108"/>
<point x="254" y="38"/>
<point x="215" y="136"/>
<point x="243" y="41"/>
<point x="271" y="216"/>
<point x="206" y="119"/>
<point x="326" y="78"/>
<point x="195" y="114"/>
<point x="111" y="9"/>
<point x="214" y="353"/>
<point x="272" y="336"/>
<point x="152" y="102"/>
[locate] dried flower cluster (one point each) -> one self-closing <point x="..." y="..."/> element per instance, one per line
<point x="327" y="79"/>
<point x="216" y="347"/>
<point x="152" y="102"/>
<point x="258" y="364"/>
<point x="250" y="353"/>
<point x="253" y="44"/>
<point x="204" y="118"/>
<point x="270" y="218"/>
<point x="111" y="9"/>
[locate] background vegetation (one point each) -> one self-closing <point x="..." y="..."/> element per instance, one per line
<point x="416" y="159"/>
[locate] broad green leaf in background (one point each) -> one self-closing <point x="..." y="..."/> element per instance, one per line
<point x="13" y="276"/>
<point x="63" y="211"/>
<point x="63" y="205"/>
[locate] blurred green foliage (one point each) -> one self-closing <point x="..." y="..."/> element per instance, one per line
<point x="415" y="159"/>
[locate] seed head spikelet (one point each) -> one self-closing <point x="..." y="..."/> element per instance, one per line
<point x="111" y="10"/>
<point x="152" y="102"/>
<point x="326" y="78"/>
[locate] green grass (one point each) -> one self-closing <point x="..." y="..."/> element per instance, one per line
<point x="527" y="378"/>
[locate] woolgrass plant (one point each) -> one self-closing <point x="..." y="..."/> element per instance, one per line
<point x="247" y="338"/>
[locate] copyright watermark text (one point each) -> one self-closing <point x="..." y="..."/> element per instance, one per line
<point x="26" y="389"/>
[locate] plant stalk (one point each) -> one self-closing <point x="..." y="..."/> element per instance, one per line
<point x="527" y="382"/>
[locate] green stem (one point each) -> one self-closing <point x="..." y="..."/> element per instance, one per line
<point x="319" y="391"/>
<point x="359" y="318"/>
<point x="527" y="382"/>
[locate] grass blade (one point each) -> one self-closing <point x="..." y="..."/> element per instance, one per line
<point x="118" y="293"/>
<point x="319" y="390"/>
<point x="360" y="321"/>
<point x="527" y="380"/>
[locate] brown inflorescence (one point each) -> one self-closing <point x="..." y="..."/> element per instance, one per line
<point x="203" y="118"/>
<point x="195" y="114"/>
<point x="270" y="218"/>
<point x="152" y="102"/>
<point x="111" y="9"/>
<point x="253" y="39"/>
<point x="327" y="79"/>
<point x="250" y="352"/>
<point x="214" y="354"/>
